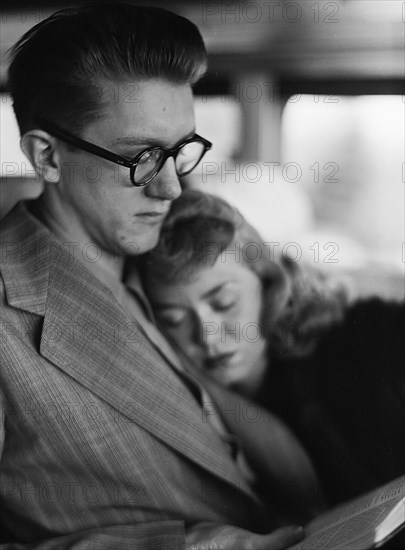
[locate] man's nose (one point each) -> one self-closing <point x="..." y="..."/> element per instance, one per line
<point x="166" y="185"/>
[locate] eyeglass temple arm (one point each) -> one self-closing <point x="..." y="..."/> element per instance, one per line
<point x="82" y="144"/>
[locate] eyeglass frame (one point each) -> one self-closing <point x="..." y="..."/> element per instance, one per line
<point x="98" y="151"/>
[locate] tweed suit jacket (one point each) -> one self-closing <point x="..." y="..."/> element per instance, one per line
<point x="102" y="444"/>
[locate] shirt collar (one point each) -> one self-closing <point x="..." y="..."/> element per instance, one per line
<point x="134" y="283"/>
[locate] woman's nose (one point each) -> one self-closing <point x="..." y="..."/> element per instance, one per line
<point x="166" y="185"/>
<point x="207" y="328"/>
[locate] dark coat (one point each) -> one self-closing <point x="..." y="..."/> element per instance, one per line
<point x="346" y="401"/>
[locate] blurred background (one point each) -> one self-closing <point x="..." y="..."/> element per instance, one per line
<point x="304" y="102"/>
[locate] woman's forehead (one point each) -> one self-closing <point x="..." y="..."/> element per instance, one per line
<point x="207" y="280"/>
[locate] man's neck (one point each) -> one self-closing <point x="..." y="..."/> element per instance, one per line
<point x="96" y="259"/>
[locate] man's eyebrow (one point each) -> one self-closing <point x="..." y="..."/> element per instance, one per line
<point x="130" y="140"/>
<point x="153" y="142"/>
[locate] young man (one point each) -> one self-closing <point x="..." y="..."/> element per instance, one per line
<point x="104" y="442"/>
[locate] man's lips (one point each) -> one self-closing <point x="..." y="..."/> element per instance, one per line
<point x="153" y="214"/>
<point x="152" y="217"/>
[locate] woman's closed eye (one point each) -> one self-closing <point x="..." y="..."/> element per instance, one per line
<point x="172" y="317"/>
<point x="225" y="302"/>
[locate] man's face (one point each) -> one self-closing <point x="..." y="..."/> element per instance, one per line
<point x="96" y="199"/>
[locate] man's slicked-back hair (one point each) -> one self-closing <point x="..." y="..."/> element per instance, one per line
<point x="59" y="66"/>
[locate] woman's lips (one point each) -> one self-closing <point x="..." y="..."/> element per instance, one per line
<point x="221" y="360"/>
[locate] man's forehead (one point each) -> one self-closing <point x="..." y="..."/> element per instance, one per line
<point x="146" y="112"/>
<point x="156" y="91"/>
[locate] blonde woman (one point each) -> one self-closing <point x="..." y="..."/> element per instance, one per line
<point x="284" y="335"/>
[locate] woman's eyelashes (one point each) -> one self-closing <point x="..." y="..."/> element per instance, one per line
<point x="174" y="317"/>
<point x="224" y="301"/>
<point x="171" y="318"/>
<point x="223" y="305"/>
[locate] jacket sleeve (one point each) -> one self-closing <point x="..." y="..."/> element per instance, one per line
<point x="166" y="534"/>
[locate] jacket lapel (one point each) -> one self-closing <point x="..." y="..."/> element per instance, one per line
<point x="91" y="338"/>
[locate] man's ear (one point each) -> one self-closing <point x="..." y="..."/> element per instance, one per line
<point x="40" y="148"/>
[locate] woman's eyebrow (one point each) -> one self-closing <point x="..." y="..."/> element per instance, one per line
<point x="161" y="307"/>
<point x="214" y="290"/>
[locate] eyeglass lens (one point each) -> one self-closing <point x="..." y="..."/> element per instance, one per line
<point x="151" y="161"/>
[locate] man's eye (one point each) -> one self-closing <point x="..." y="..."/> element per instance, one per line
<point x="146" y="157"/>
<point x="130" y="154"/>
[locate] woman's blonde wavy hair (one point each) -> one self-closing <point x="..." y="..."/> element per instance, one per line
<point x="299" y="301"/>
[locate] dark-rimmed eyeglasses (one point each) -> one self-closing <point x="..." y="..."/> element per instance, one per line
<point x="145" y="165"/>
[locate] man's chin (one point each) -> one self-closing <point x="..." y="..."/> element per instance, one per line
<point x="152" y="241"/>
<point x="143" y="244"/>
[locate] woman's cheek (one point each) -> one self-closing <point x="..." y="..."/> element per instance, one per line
<point x="176" y="333"/>
<point x="182" y="336"/>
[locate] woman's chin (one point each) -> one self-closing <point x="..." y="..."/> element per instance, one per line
<point x="241" y="374"/>
<point x="233" y="377"/>
<point x="245" y="381"/>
